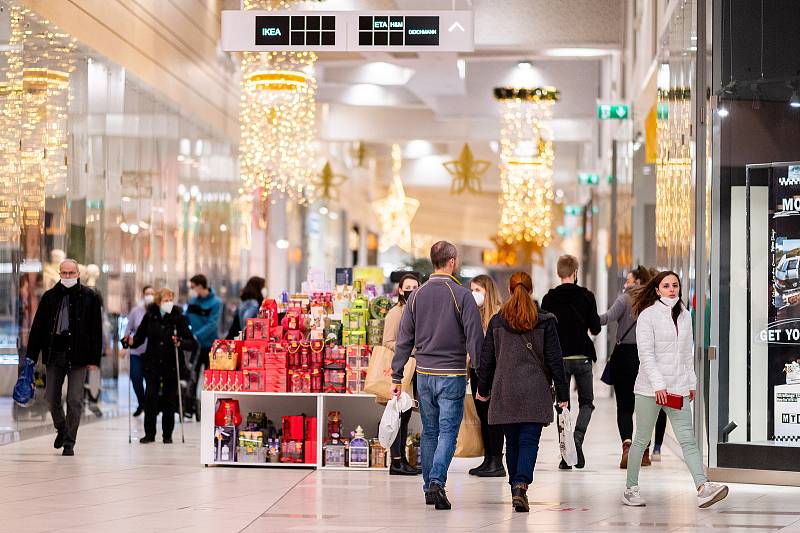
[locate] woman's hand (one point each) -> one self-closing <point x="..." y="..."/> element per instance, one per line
<point x="661" y="396"/>
<point x="563" y="405"/>
<point x="692" y="394"/>
<point x="481" y="398"/>
<point x="176" y="341"/>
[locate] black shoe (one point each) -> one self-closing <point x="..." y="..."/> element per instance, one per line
<point x="68" y="451"/>
<point x="430" y="498"/>
<point x="494" y="468"/>
<point x="519" y="498"/>
<point x="440" y="500"/>
<point x="563" y="465"/>
<point x="147" y="440"/>
<point x="138" y="412"/>
<point x="581" y="459"/>
<point x="416" y="469"/>
<point x="399" y="468"/>
<point x="167" y="440"/>
<point x="59" y="442"/>
<point x="479" y="468"/>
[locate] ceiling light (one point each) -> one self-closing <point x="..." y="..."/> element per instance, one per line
<point x="525" y="65"/>
<point x="282" y="244"/>
<point x="794" y="101"/>
<point x="461" y="64"/>
<point x="333" y="215"/>
<point x="723" y="112"/>
<point x="577" y="52"/>
<point x="323" y="210"/>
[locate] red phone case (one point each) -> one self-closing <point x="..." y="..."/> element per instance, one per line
<point x="675" y="401"/>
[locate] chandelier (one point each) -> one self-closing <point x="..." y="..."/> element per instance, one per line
<point x="396" y="211"/>
<point x="277" y="120"/>
<point x="526" y="165"/>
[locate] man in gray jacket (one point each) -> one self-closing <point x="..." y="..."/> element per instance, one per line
<point x="441" y="320"/>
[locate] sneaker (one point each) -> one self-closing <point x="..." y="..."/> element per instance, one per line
<point x="519" y="498"/>
<point x="646" y="461"/>
<point x="632" y="497"/>
<point x="440" y="498"/>
<point x="59" y="442"/>
<point x="68" y="451"/>
<point x="656" y="456"/>
<point x="792" y="373"/>
<point x="710" y="493"/>
<point x="626" y="448"/>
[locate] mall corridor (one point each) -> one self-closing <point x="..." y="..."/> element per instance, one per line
<point x="111" y="486"/>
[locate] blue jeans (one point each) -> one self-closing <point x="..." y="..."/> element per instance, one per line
<point x="441" y="407"/>
<point x="137" y="378"/>
<point x="522" y="448"/>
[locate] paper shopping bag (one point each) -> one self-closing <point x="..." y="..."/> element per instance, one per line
<point x="379" y="374"/>
<point x="470" y="440"/>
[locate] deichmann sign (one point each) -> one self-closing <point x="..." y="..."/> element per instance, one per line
<point x="412" y="31"/>
<point x="613" y="111"/>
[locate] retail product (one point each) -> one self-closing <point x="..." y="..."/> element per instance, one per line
<point x="792" y="371"/>
<point x="225" y="443"/>
<point x="310" y="448"/>
<point x="333" y="333"/>
<point x="227" y="413"/>
<point x="335" y="358"/>
<point x="335" y="454"/>
<point x="254" y="353"/>
<point x="299" y="381"/>
<point x="375" y="332"/>
<point x="412" y="450"/>
<point x="377" y="454"/>
<point x="255" y="380"/>
<point x="224" y="355"/>
<point x="379" y="307"/>
<point x="358" y="451"/>
<point x="269" y="310"/>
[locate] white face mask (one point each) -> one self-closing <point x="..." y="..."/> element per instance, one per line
<point x="264" y="292"/>
<point x="479" y="298"/>
<point x="669" y="301"/>
<point x="166" y="307"/>
<point x="148" y="299"/>
<point x="69" y="283"/>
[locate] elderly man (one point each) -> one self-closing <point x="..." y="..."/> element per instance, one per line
<point x="67" y="331"/>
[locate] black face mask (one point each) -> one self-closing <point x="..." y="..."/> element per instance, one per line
<point x="404" y="295"/>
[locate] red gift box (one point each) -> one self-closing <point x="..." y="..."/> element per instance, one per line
<point x="335" y="381"/>
<point x="208" y="380"/>
<point x="254" y="380"/>
<point x="335" y="357"/>
<point x="258" y="329"/>
<point x="254" y="353"/>
<point x="294" y="427"/>
<point x="269" y="310"/>
<point x="316" y="380"/>
<point x="300" y="381"/>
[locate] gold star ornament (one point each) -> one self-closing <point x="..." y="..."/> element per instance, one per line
<point x="466" y="172"/>
<point x="328" y="183"/>
<point x="395" y="213"/>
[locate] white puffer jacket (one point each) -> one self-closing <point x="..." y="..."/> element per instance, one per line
<point x="666" y="355"/>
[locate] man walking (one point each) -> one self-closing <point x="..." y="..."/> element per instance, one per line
<point x="204" y="312"/>
<point x="67" y="330"/>
<point x="441" y="320"/>
<point x="576" y="311"/>
<point x="135" y="318"/>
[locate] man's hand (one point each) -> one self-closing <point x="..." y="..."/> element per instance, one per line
<point x="661" y="396"/>
<point x="481" y="398"/>
<point x="692" y="394"/>
<point x="92" y="367"/>
<point x="397" y="388"/>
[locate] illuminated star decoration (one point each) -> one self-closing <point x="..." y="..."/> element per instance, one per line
<point x="328" y="183"/>
<point x="396" y="211"/>
<point x="466" y="171"/>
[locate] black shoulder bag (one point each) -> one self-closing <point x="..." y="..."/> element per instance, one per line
<point x="607" y="378"/>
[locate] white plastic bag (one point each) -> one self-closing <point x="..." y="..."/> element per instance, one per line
<point x="390" y="421"/>
<point x="566" y="438"/>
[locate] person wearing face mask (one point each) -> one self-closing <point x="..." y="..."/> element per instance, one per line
<point x="399" y="465"/>
<point x="665" y="341"/>
<point x="251" y="297"/>
<point x="164" y="328"/>
<point x="204" y="311"/>
<point x="488" y="299"/>
<point x="134" y="319"/>
<point x="68" y="332"/>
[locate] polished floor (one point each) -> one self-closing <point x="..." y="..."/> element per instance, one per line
<point x="113" y="486"/>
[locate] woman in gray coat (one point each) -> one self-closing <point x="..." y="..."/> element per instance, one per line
<point x="521" y="359"/>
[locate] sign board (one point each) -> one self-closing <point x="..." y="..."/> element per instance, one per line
<point x="613" y="111"/>
<point x="588" y="179"/>
<point x="320" y="31"/>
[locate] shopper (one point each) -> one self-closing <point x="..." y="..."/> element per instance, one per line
<point x="251" y="297"/>
<point x="666" y="355"/>
<point x="575" y="308"/>
<point x="67" y="330"/>
<point x="488" y="299"/>
<point x="203" y="311"/>
<point x="443" y="322"/>
<point x="520" y="360"/>
<point x="165" y="330"/>
<point x="134" y="319"/>
<point x="399" y="466"/>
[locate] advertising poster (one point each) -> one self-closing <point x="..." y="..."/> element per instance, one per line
<point x="783" y="333"/>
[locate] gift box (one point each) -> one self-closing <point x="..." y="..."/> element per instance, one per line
<point x="294" y="427"/>
<point x="358" y="356"/>
<point x="208" y="380"/>
<point x="254" y="353"/>
<point x="292" y="451"/>
<point x="356" y="377"/>
<point x="254" y="380"/>
<point x="316" y="354"/>
<point x="335" y="357"/>
<point x="224" y="355"/>
<point x="251" y="455"/>
<point x="300" y="381"/>
<point x="258" y="329"/>
<point x="375" y="332"/>
<point x="225" y="438"/>
<point x="269" y="310"/>
<point x="293" y="335"/>
<point x="316" y="379"/>
<point x="293" y="321"/>
<point x="335" y="381"/>
<point x="333" y="333"/>
<point x="354" y="337"/>
<point x="334" y="455"/>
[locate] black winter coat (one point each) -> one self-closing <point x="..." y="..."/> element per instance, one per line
<point x="157" y="330"/>
<point x="86" y="325"/>
<point x="576" y="311"/>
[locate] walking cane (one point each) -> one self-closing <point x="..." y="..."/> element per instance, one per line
<point x="130" y="385"/>
<point x="180" y="396"/>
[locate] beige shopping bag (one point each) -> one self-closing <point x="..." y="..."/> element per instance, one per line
<point x="470" y="440"/>
<point x="379" y="374"/>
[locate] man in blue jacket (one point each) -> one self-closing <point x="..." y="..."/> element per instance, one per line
<point x="204" y="312"/>
<point x="441" y="320"/>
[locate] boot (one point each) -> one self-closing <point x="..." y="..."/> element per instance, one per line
<point x="479" y="468"/>
<point x="399" y="468"/>
<point x="519" y="498"/>
<point x="439" y="496"/>
<point x="563" y="465"/>
<point x="416" y="469"/>
<point x="581" y="459"/>
<point x="646" y="461"/>
<point x="626" y="448"/>
<point x="494" y="468"/>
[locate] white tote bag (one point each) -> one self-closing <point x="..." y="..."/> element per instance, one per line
<point x="390" y="421"/>
<point x="566" y="438"/>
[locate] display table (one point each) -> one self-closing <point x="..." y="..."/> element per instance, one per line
<point x="359" y="407"/>
<point x="787" y="413"/>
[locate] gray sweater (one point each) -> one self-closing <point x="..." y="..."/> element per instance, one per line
<point x="442" y="322"/>
<point x="621" y="312"/>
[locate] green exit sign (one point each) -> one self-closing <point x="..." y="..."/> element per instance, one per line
<point x="613" y="111"/>
<point x="588" y="179"/>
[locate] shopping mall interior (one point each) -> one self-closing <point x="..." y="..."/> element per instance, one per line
<point x="306" y="156"/>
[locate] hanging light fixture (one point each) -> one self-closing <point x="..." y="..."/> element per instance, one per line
<point x="526" y="166"/>
<point x="396" y="211"/>
<point x="277" y="119"/>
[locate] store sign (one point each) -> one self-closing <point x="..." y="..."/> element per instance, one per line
<point x="588" y="179"/>
<point x="413" y="31"/>
<point x="613" y="111"/>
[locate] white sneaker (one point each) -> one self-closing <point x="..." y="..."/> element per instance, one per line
<point x="656" y="456"/>
<point x="711" y="493"/>
<point x="632" y="497"/>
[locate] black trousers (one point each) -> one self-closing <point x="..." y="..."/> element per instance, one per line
<point x="398" y="447"/>
<point x="492" y="435"/>
<point x="161" y="395"/>
<point x="624" y="369"/>
<point x="68" y="425"/>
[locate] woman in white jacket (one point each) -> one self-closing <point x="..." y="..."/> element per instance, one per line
<point x="666" y="367"/>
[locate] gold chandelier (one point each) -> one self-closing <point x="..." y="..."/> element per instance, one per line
<point x="277" y="120"/>
<point x="396" y="211"/>
<point x="526" y="165"/>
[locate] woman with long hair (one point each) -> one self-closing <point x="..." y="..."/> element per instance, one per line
<point x="488" y="299"/>
<point x="520" y="360"/>
<point x="666" y="380"/>
<point x="251" y="297"/>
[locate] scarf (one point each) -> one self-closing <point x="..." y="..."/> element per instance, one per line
<point x="62" y="325"/>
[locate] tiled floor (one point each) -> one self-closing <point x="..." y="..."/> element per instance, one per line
<point x="111" y="486"/>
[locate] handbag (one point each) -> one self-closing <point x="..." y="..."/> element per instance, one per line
<point x="674" y="401"/>
<point x="607" y="376"/>
<point x="24" y="389"/>
<point x="379" y="374"/>
<point x="470" y="438"/>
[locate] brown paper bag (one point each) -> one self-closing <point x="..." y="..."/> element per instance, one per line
<point x="379" y="374"/>
<point x="470" y="440"/>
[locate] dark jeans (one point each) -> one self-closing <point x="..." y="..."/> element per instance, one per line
<point x="441" y="406"/>
<point x="522" y="448"/>
<point x="68" y="425"/>
<point x="492" y="435"/>
<point x="624" y="369"/>
<point x="137" y="378"/>
<point x="160" y="395"/>
<point x="581" y="369"/>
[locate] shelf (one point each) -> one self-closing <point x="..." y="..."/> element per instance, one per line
<point x="350" y="469"/>
<point x="294" y="394"/>
<point x="274" y="465"/>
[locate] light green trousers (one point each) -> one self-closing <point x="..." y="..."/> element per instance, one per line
<point x="646" y="412"/>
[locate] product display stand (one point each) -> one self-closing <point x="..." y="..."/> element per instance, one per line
<point x="312" y="404"/>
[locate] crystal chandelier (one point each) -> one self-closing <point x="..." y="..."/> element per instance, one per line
<point x="396" y="211"/>
<point x="526" y="166"/>
<point x="277" y="120"/>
